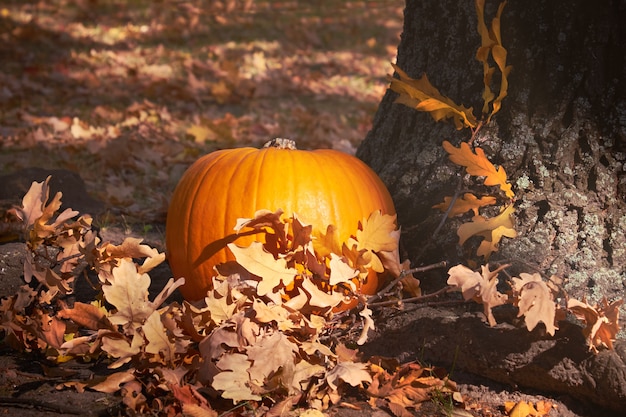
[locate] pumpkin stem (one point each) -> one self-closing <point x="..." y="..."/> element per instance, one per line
<point x="281" y="143"/>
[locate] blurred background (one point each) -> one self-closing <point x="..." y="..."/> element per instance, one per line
<point x="129" y="93"/>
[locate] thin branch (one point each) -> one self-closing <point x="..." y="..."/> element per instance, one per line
<point x="420" y="298"/>
<point x="380" y="294"/>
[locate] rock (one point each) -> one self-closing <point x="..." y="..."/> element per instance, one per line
<point x="459" y="339"/>
<point x="13" y="187"/>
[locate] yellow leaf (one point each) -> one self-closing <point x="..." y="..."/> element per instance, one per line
<point x="421" y="95"/>
<point x="378" y="233"/>
<point x="477" y="164"/>
<point x="201" y="133"/>
<point x="491" y="230"/>
<point x="328" y="243"/>
<point x="262" y="264"/>
<point x="464" y="204"/>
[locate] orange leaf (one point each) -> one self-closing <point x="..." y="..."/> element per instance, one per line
<point x="491" y="230"/>
<point x="478" y="164"/>
<point x="601" y="321"/>
<point x="464" y="204"/>
<point x="421" y="95"/>
<point x="491" y="42"/>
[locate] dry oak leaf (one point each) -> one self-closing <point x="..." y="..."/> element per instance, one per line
<point x="129" y="294"/>
<point x="481" y="287"/>
<point x="258" y="262"/>
<point x="601" y="321"/>
<point x="325" y="244"/>
<point x="477" y="164"/>
<point x="464" y="204"/>
<point x="492" y="230"/>
<point x="340" y="271"/>
<point x="91" y="316"/>
<point x="118" y="346"/>
<point x="234" y="380"/>
<point x="353" y="373"/>
<point x="535" y="301"/>
<point x="159" y="344"/>
<point x="421" y="95"/>
<point x="378" y="233"/>
<point x="273" y="357"/>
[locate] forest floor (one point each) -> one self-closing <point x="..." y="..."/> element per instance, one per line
<point x="128" y="95"/>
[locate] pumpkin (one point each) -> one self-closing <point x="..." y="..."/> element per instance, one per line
<point x="321" y="187"/>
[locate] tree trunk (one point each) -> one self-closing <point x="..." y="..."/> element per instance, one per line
<point x="561" y="136"/>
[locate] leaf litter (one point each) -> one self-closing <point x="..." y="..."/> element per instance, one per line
<point x="129" y="96"/>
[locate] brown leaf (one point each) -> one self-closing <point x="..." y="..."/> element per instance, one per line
<point x="353" y="373"/>
<point x="421" y="95"/>
<point x="129" y="294"/>
<point x="234" y="380"/>
<point x="159" y="343"/>
<point x="271" y="354"/>
<point x="90" y="316"/>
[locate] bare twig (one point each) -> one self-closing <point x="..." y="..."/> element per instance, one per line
<point x="380" y="294"/>
<point x="420" y="298"/>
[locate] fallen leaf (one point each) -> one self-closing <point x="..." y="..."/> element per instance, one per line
<point x="258" y="262"/>
<point x="90" y="316"/>
<point x="353" y="373"/>
<point x="129" y="294"/>
<point x="234" y="380"/>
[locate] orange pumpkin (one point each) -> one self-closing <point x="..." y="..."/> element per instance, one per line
<point x="322" y="187"/>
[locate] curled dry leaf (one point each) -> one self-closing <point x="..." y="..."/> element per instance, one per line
<point x="480" y="287"/>
<point x="601" y="321"/>
<point x="421" y="95"/>
<point x="491" y="42"/>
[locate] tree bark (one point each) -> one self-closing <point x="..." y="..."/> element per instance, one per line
<point x="561" y="136"/>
